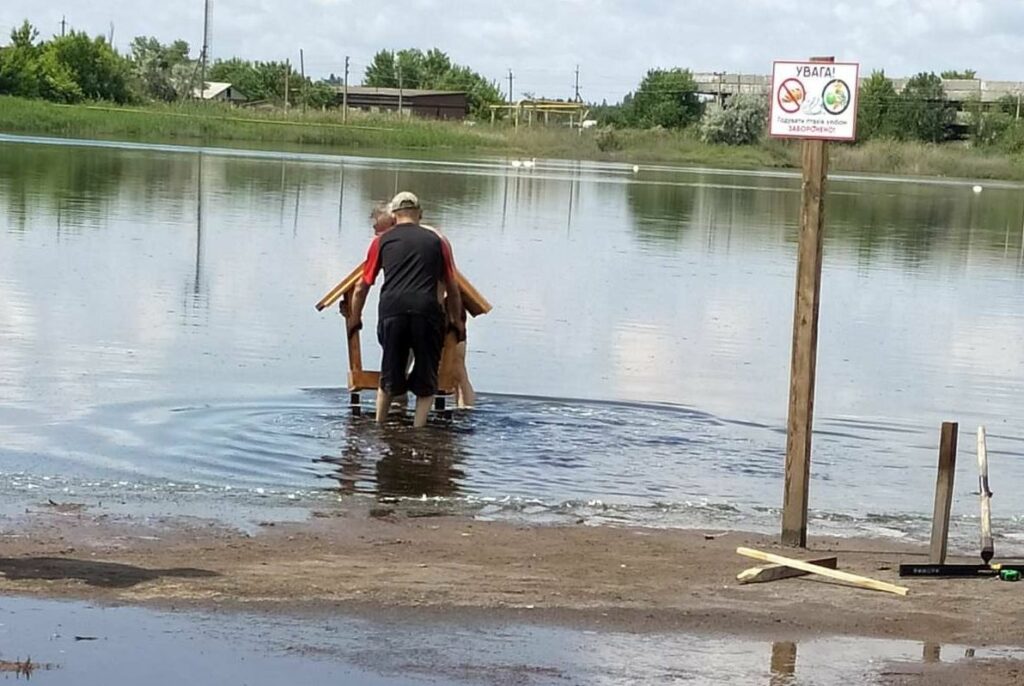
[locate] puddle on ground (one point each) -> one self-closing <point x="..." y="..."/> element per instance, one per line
<point x="81" y="644"/>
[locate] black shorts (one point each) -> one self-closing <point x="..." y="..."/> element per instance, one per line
<point x="423" y="336"/>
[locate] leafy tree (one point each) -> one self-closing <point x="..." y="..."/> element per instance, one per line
<point x="20" y="71"/>
<point x="382" y="72"/>
<point x="99" y="72"/>
<point x="480" y="93"/>
<point x="163" y="72"/>
<point x="666" y="97"/>
<point x="924" y="113"/>
<point x="740" y="122"/>
<point x="877" y="105"/>
<point x="432" y="70"/>
<point x="966" y="74"/>
<point x="258" y="80"/>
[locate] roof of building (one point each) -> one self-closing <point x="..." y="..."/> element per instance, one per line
<point x="213" y="89"/>
<point x="394" y="92"/>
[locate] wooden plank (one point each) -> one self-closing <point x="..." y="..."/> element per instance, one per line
<point x="340" y="289"/>
<point x="855" y="579"/>
<point x="803" y="363"/>
<point x="757" y="575"/>
<point x="987" y="548"/>
<point x="447" y="376"/>
<point x="943" y="493"/>
<point x="474" y="302"/>
<point x="361" y="380"/>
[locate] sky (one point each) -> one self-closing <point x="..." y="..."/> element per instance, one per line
<point x="614" y="42"/>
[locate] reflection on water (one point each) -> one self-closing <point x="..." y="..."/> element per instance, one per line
<point x="397" y="462"/>
<point x="133" y="279"/>
<point x="145" y="646"/>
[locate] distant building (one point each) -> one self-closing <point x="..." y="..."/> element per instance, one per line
<point x="219" y="92"/>
<point x="431" y="104"/>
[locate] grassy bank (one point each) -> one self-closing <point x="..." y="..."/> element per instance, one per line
<point x="211" y="124"/>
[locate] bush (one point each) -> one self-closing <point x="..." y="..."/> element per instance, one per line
<point x="741" y="122"/>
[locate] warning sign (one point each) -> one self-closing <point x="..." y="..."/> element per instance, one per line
<point x="814" y="100"/>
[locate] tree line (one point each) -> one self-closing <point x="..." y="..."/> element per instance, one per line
<point x="921" y="111"/>
<point x="76" y="67"/>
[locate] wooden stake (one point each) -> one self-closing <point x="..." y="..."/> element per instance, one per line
<point x="805" y="345"/>
<point x="943" y="492"/>
<point x="757" y="575"/>
<point x="855" y="579"/>
<point x="987" y="549"/>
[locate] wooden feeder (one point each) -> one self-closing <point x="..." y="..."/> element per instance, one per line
<point x="360" y="379"/>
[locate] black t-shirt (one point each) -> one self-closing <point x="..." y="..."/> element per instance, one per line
<point x="415" y="260"/>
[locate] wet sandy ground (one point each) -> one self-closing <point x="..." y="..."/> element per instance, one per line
<point x="399" y="562"/>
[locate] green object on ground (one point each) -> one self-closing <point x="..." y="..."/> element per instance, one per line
<point x="1009" y="575"/>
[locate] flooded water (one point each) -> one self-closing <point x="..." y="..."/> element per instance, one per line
<point x="75" y="643"/>
<point x="158" y="336"/>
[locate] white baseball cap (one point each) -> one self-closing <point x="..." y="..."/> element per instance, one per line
<point x="405" y="201"/>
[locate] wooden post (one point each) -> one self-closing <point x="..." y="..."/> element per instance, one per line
<point x="987" y="549"/>
<point x="805" y="344"/>
<point x="943" y="493"/>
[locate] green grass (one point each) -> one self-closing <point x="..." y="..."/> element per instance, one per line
<point x="221" y="125"/>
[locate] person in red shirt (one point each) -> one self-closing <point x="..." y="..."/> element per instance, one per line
<point x="418" y="270"/>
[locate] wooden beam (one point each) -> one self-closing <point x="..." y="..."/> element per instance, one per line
<point x="342" y="288"/>
<point x="475" y="303"/>
<point x="943" y="493"/>
<point x="855" y="579"/>
<point x="757" y="575"/>
<point x="803" y="363"/>
<point x="987" y="548"/>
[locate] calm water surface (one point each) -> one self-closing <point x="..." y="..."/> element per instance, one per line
<point x="158" y="336"/>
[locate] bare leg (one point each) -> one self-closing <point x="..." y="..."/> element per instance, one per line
<point x="423" y="406"/>
<point x="383" y="403"/>
<point x="465" y="395"/>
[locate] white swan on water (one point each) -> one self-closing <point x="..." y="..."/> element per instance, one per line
<point x="529" y="164"/>
<point x="517" y="163"/>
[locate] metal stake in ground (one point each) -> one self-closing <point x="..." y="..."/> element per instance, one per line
<point x="987" y="549"/>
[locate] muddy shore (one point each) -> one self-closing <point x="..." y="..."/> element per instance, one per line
<point x="390" y="561"/>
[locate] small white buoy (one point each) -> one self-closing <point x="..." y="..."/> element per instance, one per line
<point x="636" y="168"/>
<point x="976" y="189"/>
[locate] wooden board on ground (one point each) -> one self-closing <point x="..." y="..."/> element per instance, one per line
<point x="854" y="579"/>
<point x="757" y="575"/>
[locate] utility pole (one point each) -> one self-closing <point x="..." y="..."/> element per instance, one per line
<point x="510" y="87"/>
<point x="287" y="73"/>
<point x="399" y="89"/>
<point x="110" y="36"/>
<point x="302" y="71"/>
<point x="63" y="25"/>
<point x="344" y="95"/>
<point x="578" y="83"/>
<point x="206" y="47"/>
<point x="719" y="98"/>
